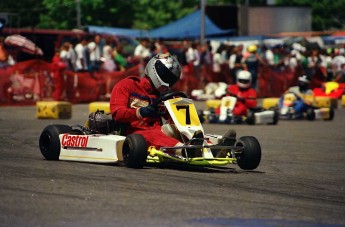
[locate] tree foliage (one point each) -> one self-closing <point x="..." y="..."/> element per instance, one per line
<point x="146" y="14"/>
<point x="326" y="15"/>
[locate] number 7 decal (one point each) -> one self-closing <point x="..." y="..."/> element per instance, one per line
<point x="188" y="122"/>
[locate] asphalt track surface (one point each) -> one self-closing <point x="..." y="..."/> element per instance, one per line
<point x="299" y="182"/>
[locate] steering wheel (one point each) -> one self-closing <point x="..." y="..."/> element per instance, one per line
<point x="169" y="95"/>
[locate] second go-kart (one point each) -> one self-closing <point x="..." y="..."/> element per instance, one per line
<point x="225" y="114"/>
<point x="80" y="143"/>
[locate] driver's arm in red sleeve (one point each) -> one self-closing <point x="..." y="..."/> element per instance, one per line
<point x="119" y="104"/>
<point x="232" y="90"/>
<point x="251" y="99"/>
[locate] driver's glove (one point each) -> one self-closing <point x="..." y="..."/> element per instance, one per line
<point x="240" y="99"/>
<point x="148" y="112"/>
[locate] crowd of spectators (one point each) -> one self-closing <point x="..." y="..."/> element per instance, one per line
<point x="203" y="61"/>
<point x="328" y="64"/>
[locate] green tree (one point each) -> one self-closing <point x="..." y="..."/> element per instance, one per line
<point x="150" y="14"/>
<point x="25" y="13"/>
<point x="146" y="14"/>
<point x="326" y="15"/>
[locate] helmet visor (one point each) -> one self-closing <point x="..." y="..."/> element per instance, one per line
<point x="165" y="74"/>
<point x="243" y="81"/>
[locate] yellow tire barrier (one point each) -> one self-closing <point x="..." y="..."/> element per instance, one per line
<point x="268" y="103"/>
<point x="94" y="106"/>
<point x="53" y="110"/>
<point x="326" y="102"/>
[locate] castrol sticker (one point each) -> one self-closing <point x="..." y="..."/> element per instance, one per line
<point x="74" y="140"/>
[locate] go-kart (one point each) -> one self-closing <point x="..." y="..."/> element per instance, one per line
<point x="225" y="114"/>
<point x="79" y="143"/>
<point x="287" y="111"/>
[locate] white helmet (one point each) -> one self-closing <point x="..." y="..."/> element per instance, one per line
<point x="244" y="79"/>
<point x="163" y="70"/>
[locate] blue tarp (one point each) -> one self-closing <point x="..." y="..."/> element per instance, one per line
<point x="136" y="33"/>
<point x="189" y="27"/>
<point x="186" y="27"/>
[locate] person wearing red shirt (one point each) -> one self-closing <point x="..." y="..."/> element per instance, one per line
<point x="246" y="95"/>
<point x="131" y="101"/>
<point x="58" y="68"/>
<point x="131" y="104"/>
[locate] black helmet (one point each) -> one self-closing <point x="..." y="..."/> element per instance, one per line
<point x="303" y="82"/>
<point x="99" y="122"/>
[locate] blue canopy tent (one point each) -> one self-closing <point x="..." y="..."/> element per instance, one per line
<point x="186" y="27"/>
<point x="189" y="27"/>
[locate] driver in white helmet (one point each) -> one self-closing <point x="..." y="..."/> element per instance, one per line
<point x="245" y="94"/>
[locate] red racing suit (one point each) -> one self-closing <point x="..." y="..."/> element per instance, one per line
<point x="246" y="98"/>
<point x="127" y="96"/>
<point x="58" y="68"/>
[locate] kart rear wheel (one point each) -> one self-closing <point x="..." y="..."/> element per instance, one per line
<point x="331" y="115"/>
<point x="251" y="117"/>
<point x="250" y="156"/>
<point x="310" y="114"/>
<point x="49" y="141"/>
<point x="275" y="117"/>
<point x="201" y="116"/>
<point x="134" y="151"/>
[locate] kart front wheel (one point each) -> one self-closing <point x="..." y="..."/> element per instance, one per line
<point x="250" y="156"/>
<point x="134" y="151"/>
<point x="49" y="141"/>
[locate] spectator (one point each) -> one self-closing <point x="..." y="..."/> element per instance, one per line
<point x="338" y="63"/>
<point x="95" y="50"/>
<point x="119" y="58"/>
<point x="67" y="55"/>
<point x="82" y="55"/>
<point x="58" y="68"/>
<point x="251" y="64"/>
<point x="142" y="51"/>
<point x="108" y="59"/>
<point x="191" y="56"/>
<point x="235" y="62"/>
<point x="197" y="61"/>
<point x="206" y="58"/>
<point x="218" y="61"/>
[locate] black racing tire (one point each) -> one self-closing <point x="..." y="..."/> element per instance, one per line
<point x="49" y="141"/>
<point x="213" y="118"/>
<point x="250" y="156"/>
<point x="310" y="114"/>
<point x="331" y="115"/>
<point x="275" y="117"/>
<point x="251" y="117"/>
<point x="201" y="116"/>
<point x="134" y="151"/>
